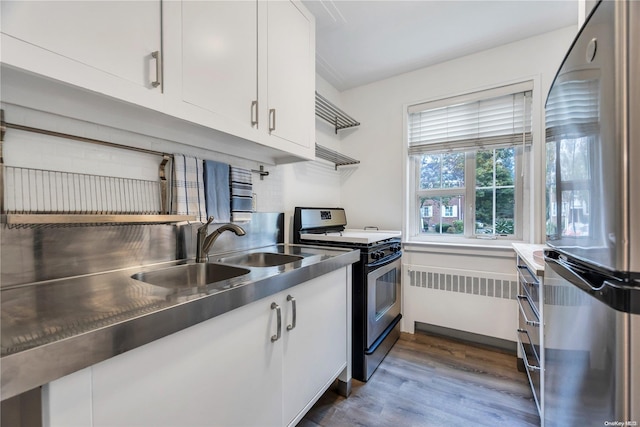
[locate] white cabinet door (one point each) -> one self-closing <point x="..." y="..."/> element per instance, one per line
<point x="290" y="73"/>
<point x="219" y="57"/>
<point x="84" y="42"/>
<point x="315" y="350"/>
<point x="222" y="372"/>
<point x="66" y="402"/>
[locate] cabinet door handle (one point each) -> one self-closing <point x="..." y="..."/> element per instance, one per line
<point x="278" y="334"/>
<point x="526" y="319"/>
<point x="254" y="113"/>
<point x="272" y="119"/>
<point x="293" y="320"/>
<point x="158" y="81"/>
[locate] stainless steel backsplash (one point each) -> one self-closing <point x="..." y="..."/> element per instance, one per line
<point x="35" y="254"/>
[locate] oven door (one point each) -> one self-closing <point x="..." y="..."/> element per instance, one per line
<point x="383" y="296"/>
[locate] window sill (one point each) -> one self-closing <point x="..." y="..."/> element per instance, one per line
<point x="462" y="246"/>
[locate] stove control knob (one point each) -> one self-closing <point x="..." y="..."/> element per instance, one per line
<point x="376" y="255"/>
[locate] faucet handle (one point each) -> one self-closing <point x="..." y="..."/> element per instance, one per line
<point x="205" y="226"/>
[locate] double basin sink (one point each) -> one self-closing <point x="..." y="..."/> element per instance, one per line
<point x="200" y="275"/>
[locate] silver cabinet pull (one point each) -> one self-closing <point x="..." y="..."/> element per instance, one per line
<point x="254" y="113"/>
<point x="524" y="314"/>
<point x="278" y="334"/>
<point x="293" y="320"/>
<point x="158" y="81"/>
<point x="272" y="119"/>
<point x="525" y="356"/>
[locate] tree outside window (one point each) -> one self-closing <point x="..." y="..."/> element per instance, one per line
<point x="495" y="191"/>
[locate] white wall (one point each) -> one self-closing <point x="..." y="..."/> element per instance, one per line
<point x="373" y="193"/>
<point x="315" y="183"/>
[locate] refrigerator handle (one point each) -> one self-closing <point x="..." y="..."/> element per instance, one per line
<point x="566" y="270"/>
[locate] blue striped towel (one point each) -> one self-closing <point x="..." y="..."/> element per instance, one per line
<point x="241" y="194"/>
<point x="217" y="190"/>
<point x="188" y="187"/>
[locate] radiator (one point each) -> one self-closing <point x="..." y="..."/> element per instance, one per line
<point x="498" y="285"/>
<point x="478" y="302"/>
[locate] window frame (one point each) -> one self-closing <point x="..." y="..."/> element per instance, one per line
<point x="524" y="173"/>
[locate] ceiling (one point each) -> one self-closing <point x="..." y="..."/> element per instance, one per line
<point x="359" y="42"/>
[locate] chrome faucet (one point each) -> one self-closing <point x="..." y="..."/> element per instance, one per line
<point x="204" y="242"/>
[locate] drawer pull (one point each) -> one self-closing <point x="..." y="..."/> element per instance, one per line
<point x="278" y="334"/>
<point x="521" y="272"/>
<point x="293" y="306"/>
<point x="524" y="314"/>
<point x="272" y="120"/>
<point x="158" y="81"/>
<point x="525" y="356"/>
<point x="254" y="113"/>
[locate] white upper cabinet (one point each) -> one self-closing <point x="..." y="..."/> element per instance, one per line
<point x="250" y="65"/>
<point x="108" y="47"/>
<point x="219" y="58"/>
<point x="289" y="62"/>
<point x="238" y="75"/>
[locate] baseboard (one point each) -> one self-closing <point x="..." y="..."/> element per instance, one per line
<point x="506" y="346"/>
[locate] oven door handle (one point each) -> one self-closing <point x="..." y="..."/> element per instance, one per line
<point x="369" y="351"/>
<point x="385" y="261"/>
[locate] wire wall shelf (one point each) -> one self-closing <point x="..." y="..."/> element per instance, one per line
<point x="327" y="111"/>
<point x="334" y="157"/>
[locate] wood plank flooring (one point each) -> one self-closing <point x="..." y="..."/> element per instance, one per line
<point x="432" y="381"/>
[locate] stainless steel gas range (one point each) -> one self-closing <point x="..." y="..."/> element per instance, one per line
<point x="376" y="281"/>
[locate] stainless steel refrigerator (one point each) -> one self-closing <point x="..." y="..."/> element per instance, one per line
<point x="591" y="310"/>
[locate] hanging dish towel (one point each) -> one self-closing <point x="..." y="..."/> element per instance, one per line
<point x="241" y="194"/>
<point x="188" y="187"/>
<point x="217" y="190"/>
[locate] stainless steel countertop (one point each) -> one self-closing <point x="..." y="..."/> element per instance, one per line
<point x="54" y="328"/>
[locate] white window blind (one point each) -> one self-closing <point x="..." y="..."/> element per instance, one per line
<point x="494" y="120"/>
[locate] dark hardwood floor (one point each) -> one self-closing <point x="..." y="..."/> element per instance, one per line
<point x="433" y="381"/>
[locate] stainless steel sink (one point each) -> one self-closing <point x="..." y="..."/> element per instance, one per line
<point x="190" y="275"/>
<point x="261" y="259"/>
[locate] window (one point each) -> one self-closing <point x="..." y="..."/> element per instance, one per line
<point x="466" y="164"/>
<point x="450" y="211"/>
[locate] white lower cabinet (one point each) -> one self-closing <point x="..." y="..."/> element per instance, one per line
<point x="315" y="349"/>
<point x="226" y="371"/>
